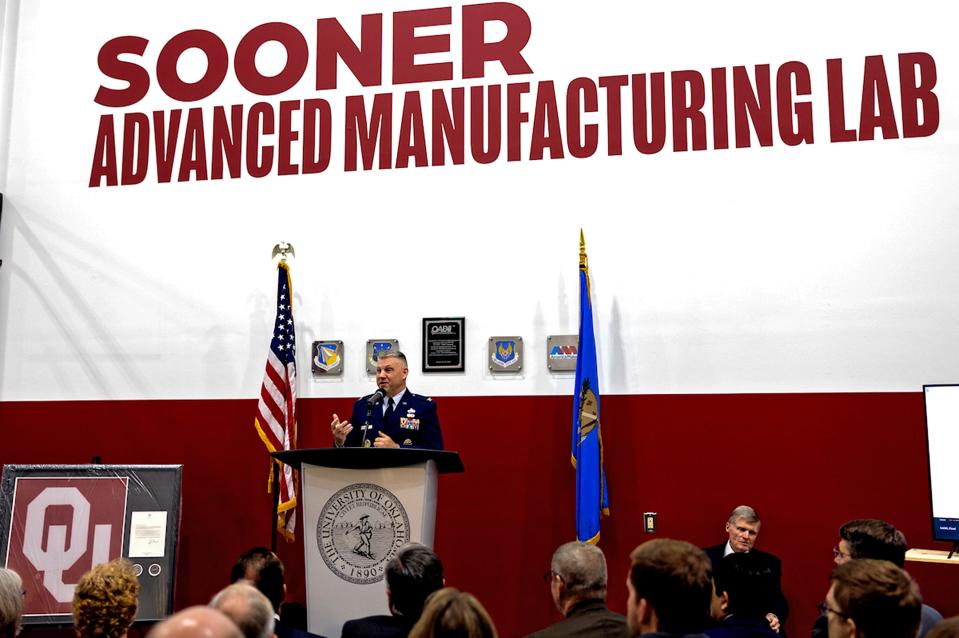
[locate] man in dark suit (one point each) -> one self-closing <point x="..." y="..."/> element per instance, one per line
<point x="742" y="528"/>
<point x="577" y="582"/>
<point x="264" y="570"/>
<point x="248" y="608"/>
<point x="744" y="586"/>
<point x="670" y="587"/>
<point x="403" y="419"/>
<point x="411" y="576"/>
<point x="878" y="540"/>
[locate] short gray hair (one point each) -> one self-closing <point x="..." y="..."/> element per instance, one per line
<point x="248" y="608"/>
<point x="11" y="603"/>
<point x="744" y="512"/>
<point x="583" y="569"/>
<point x="392" y="354"/>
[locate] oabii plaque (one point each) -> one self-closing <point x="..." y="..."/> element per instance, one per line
<point x="443" y="339"/>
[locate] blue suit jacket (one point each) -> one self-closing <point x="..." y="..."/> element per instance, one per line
<point x="414" y="423"/>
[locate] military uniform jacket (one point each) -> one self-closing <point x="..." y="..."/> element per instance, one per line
<point x="414" y="423"/>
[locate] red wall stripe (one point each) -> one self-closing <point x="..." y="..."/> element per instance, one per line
<point x="807" y="462"/>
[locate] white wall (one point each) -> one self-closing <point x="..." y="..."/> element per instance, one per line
<point x="823" y="267"/>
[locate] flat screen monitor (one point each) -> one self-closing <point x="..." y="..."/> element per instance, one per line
<point x="942" y="437"/>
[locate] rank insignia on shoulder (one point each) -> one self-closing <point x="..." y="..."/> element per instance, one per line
<point x="408" y="442"/>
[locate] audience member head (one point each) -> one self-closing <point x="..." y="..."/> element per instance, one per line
<point x="745" y="584"/>
<point x="577" y="572"/>
<point x="450" y="613"/>
<point x="264" y="570"/>
<point x="248" y="608"/>
<point x="196" y="622"/>
<point x="872" y="599"/>
<point x="11" y="603"/>
<point x="411" y="576"/>
<point x="743" y="528"/>
<point x="948" y="628"/>
<point x="670" y="588"/>
<point x="870" y="538"/>
<point x="105" y="600"/>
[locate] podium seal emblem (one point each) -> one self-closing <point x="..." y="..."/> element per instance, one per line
<point x="360" y="529"/>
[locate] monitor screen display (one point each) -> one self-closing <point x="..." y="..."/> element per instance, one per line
<point x="942" y="435"/>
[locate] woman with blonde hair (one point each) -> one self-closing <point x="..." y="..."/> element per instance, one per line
<point x="11" y="603"/>
<point x="450" y="613"/>
<point x="105" y="600"/>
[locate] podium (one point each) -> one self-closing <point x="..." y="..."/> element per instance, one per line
<point x="360" y="506"/>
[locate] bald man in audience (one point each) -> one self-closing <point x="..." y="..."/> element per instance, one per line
<point x="196" y="622"/>
<point x="248" y="608"/>
<point x="577" y="582"/>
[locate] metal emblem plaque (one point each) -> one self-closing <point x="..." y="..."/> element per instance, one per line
<point x="327" y="358"/>
<point x="443" y="344"/>
<point x="505" y="354"/>
<point x="373" y="349"/>
<point x="561" y="351"/>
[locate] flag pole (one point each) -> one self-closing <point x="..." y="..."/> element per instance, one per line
<point x="276" y="504"/>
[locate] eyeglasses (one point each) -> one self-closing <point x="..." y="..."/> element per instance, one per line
<point x="824" y="607"/>
<point x="837" y="553"/>
<point x="548" y="576"/>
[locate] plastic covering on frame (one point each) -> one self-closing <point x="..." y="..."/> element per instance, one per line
<point x="58" y="521"/>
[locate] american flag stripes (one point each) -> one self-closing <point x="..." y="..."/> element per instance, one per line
<point x="276" y="412"/>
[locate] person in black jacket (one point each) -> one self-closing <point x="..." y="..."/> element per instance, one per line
<point x="411" y="576"/>
<point x="742" y="528"/>
<point x="744" y="587"/>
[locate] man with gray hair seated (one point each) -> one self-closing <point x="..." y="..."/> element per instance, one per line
<point x="742" y="528"/>
<point x="248" y="608"/>
<point x="11" y="603"/>
<point x="196" y="622"/>
<point x="577" y="582"/>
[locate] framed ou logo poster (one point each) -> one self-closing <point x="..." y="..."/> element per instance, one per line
<point x="57" y="522"/>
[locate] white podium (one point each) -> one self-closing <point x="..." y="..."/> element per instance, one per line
<point x="361" y="505"/>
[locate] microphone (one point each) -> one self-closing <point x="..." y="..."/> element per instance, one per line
<point x="375" y="398"/>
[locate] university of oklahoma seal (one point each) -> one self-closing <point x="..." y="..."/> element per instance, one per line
<point x="360" y="529"/>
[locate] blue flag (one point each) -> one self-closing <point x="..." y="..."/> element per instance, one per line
<point x="592" y="501"/>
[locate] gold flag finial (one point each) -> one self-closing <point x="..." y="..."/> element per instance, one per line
<point x="582" y="249"/>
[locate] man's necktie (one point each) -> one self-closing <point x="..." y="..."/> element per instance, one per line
<point x="389" y="411"/>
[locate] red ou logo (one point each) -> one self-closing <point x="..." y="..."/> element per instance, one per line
<point x="61" y="527"/>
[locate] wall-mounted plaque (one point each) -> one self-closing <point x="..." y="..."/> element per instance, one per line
<point x="327" y="358"/>
<point x="443" y="344"/>
<point x="373" y="349"/>
<point x="561" y="351"/>
<point x="505" y="354"/>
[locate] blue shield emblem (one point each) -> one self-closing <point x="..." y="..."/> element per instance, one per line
<point x="380" y="346"/>
<point x="327" y="356"/>
<point x="504" y="353"/>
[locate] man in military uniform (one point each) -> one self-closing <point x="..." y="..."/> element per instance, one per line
<point x="403" y="419"/>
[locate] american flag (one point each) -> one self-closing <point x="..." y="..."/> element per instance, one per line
<point x="276" y="412"/>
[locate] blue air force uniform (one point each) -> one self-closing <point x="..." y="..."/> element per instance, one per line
<point x="413" y="424"/>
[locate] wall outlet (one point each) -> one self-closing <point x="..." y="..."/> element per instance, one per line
<point x="649" y="522"/>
